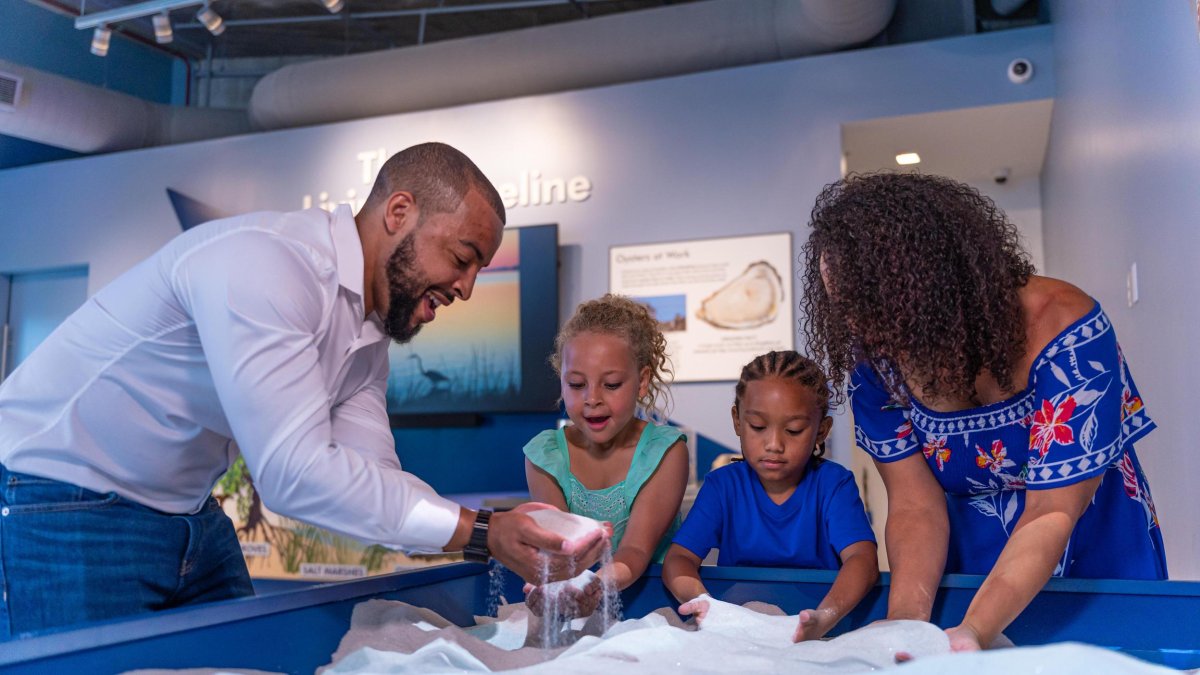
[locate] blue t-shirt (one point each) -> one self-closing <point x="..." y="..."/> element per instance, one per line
<point x="734" y="514"/>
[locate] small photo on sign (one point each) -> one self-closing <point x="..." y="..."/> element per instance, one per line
<point x="669" y="310"/>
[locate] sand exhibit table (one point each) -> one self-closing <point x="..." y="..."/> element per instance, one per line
<point x="297" y="630"/>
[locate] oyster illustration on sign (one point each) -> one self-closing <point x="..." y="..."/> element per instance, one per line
<point x="748" y="301"/>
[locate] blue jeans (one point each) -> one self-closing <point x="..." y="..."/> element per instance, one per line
<point x="70" y="555"/>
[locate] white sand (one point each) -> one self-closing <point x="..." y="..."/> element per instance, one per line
<point x="1067" y="658"/>
<point x="731" y="640"/>
<point x="568" y="525"/>
<point x="577" y="582"/>
<point x="507" y="633"/>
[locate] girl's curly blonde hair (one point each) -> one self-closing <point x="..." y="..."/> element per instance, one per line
<point x="635" y="323"/>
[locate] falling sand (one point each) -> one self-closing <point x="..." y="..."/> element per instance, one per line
<point x="558" y="626"/>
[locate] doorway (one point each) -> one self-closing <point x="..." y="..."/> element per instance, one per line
<point x="33" y="304"/>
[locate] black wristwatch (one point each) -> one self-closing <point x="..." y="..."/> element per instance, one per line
<point x="476" y="549"/>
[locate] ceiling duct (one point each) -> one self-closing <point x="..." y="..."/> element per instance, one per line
<point x="625" y="47"/>
<point x="622" y="47"/>
<point x="69" y="114"/>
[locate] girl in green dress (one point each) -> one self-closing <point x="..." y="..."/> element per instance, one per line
<point x="610" y="463"/>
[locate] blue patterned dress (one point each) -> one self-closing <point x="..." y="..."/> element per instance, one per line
<point x="1078" y="418"/>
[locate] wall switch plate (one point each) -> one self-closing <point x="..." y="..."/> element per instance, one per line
<point x="1131" y="285"/>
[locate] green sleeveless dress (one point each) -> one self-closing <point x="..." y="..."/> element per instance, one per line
<point x="548" y="452"/>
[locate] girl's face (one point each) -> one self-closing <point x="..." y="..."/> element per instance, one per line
<point x="780" y="423"/>
<point x="601" y="385"/>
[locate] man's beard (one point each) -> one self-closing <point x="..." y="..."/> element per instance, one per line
<point x="405" y="292"/>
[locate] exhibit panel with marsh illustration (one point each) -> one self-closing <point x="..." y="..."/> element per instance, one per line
<point x="277" y="547"/>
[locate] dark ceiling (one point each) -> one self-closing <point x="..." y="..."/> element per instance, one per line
<point x="272" y="28"/>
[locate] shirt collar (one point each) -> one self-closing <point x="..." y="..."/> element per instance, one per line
<point x="348" y="248"/>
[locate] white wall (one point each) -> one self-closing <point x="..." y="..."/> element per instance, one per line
<point x="742" y="150"/>
<point x="1122" y="185"/>
<point x="1021" y="199"/>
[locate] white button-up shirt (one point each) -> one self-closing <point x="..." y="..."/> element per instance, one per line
<point x="245" y="333"/>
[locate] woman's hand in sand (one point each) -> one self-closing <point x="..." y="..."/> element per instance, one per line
<point x="569" y="603"/>
<point x="963" y="638"/>
<point x="814" y="624"/>
<point x="697" y="607"/>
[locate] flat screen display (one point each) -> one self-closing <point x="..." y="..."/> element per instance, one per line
<point x="489" y="354"/>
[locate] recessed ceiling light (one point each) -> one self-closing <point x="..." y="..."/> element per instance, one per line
<point x="906" y="158"/>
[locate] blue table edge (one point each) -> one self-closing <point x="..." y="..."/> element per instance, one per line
<point x="126" y="630"/>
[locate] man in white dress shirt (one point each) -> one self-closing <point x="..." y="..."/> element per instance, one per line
<point x="264" y="334"/>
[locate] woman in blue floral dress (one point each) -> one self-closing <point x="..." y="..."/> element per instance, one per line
<point x="996" y="403"/>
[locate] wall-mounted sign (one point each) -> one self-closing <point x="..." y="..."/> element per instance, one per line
<point x="530" y="187"/>
<point x="720" y="302"/>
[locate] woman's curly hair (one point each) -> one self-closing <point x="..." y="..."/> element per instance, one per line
<point x="917" y="275"/>
<point x="635" y="323"/>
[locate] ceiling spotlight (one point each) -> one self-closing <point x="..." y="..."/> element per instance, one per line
<point x="211" y="20"/>
<point x="906" y="158"/>
<point x="162" y="28"/>
<point x="100" y="39"/>
<point x="334" y="6"/>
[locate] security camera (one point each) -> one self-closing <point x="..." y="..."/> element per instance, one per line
<point x="1020" y="71"/>
<point x="1000" y="175"/>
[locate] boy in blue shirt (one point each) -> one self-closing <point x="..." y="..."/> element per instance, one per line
<point x="783" y="506"/>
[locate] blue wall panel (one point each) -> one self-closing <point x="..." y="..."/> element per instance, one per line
<point x="486" y="458"/>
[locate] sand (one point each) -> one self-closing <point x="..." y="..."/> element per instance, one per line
<point x="568" y="525"/>
<point x="387" y="637"/>
<point x="391" y="637"/>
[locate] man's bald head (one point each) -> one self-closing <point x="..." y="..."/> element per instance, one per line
<point x="437" y="175"/>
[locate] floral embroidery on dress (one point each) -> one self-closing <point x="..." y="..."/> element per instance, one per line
<point x="1135" y="489"/>
<point x="999" y="504"/>
<point x="904" y="430"/>
<point x="1050" y="425"/>
<point x="935" y="448"/>
<point x="997" y="500"/>
<point x="1129" y="403"/>
<point x="997" y="460"/>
